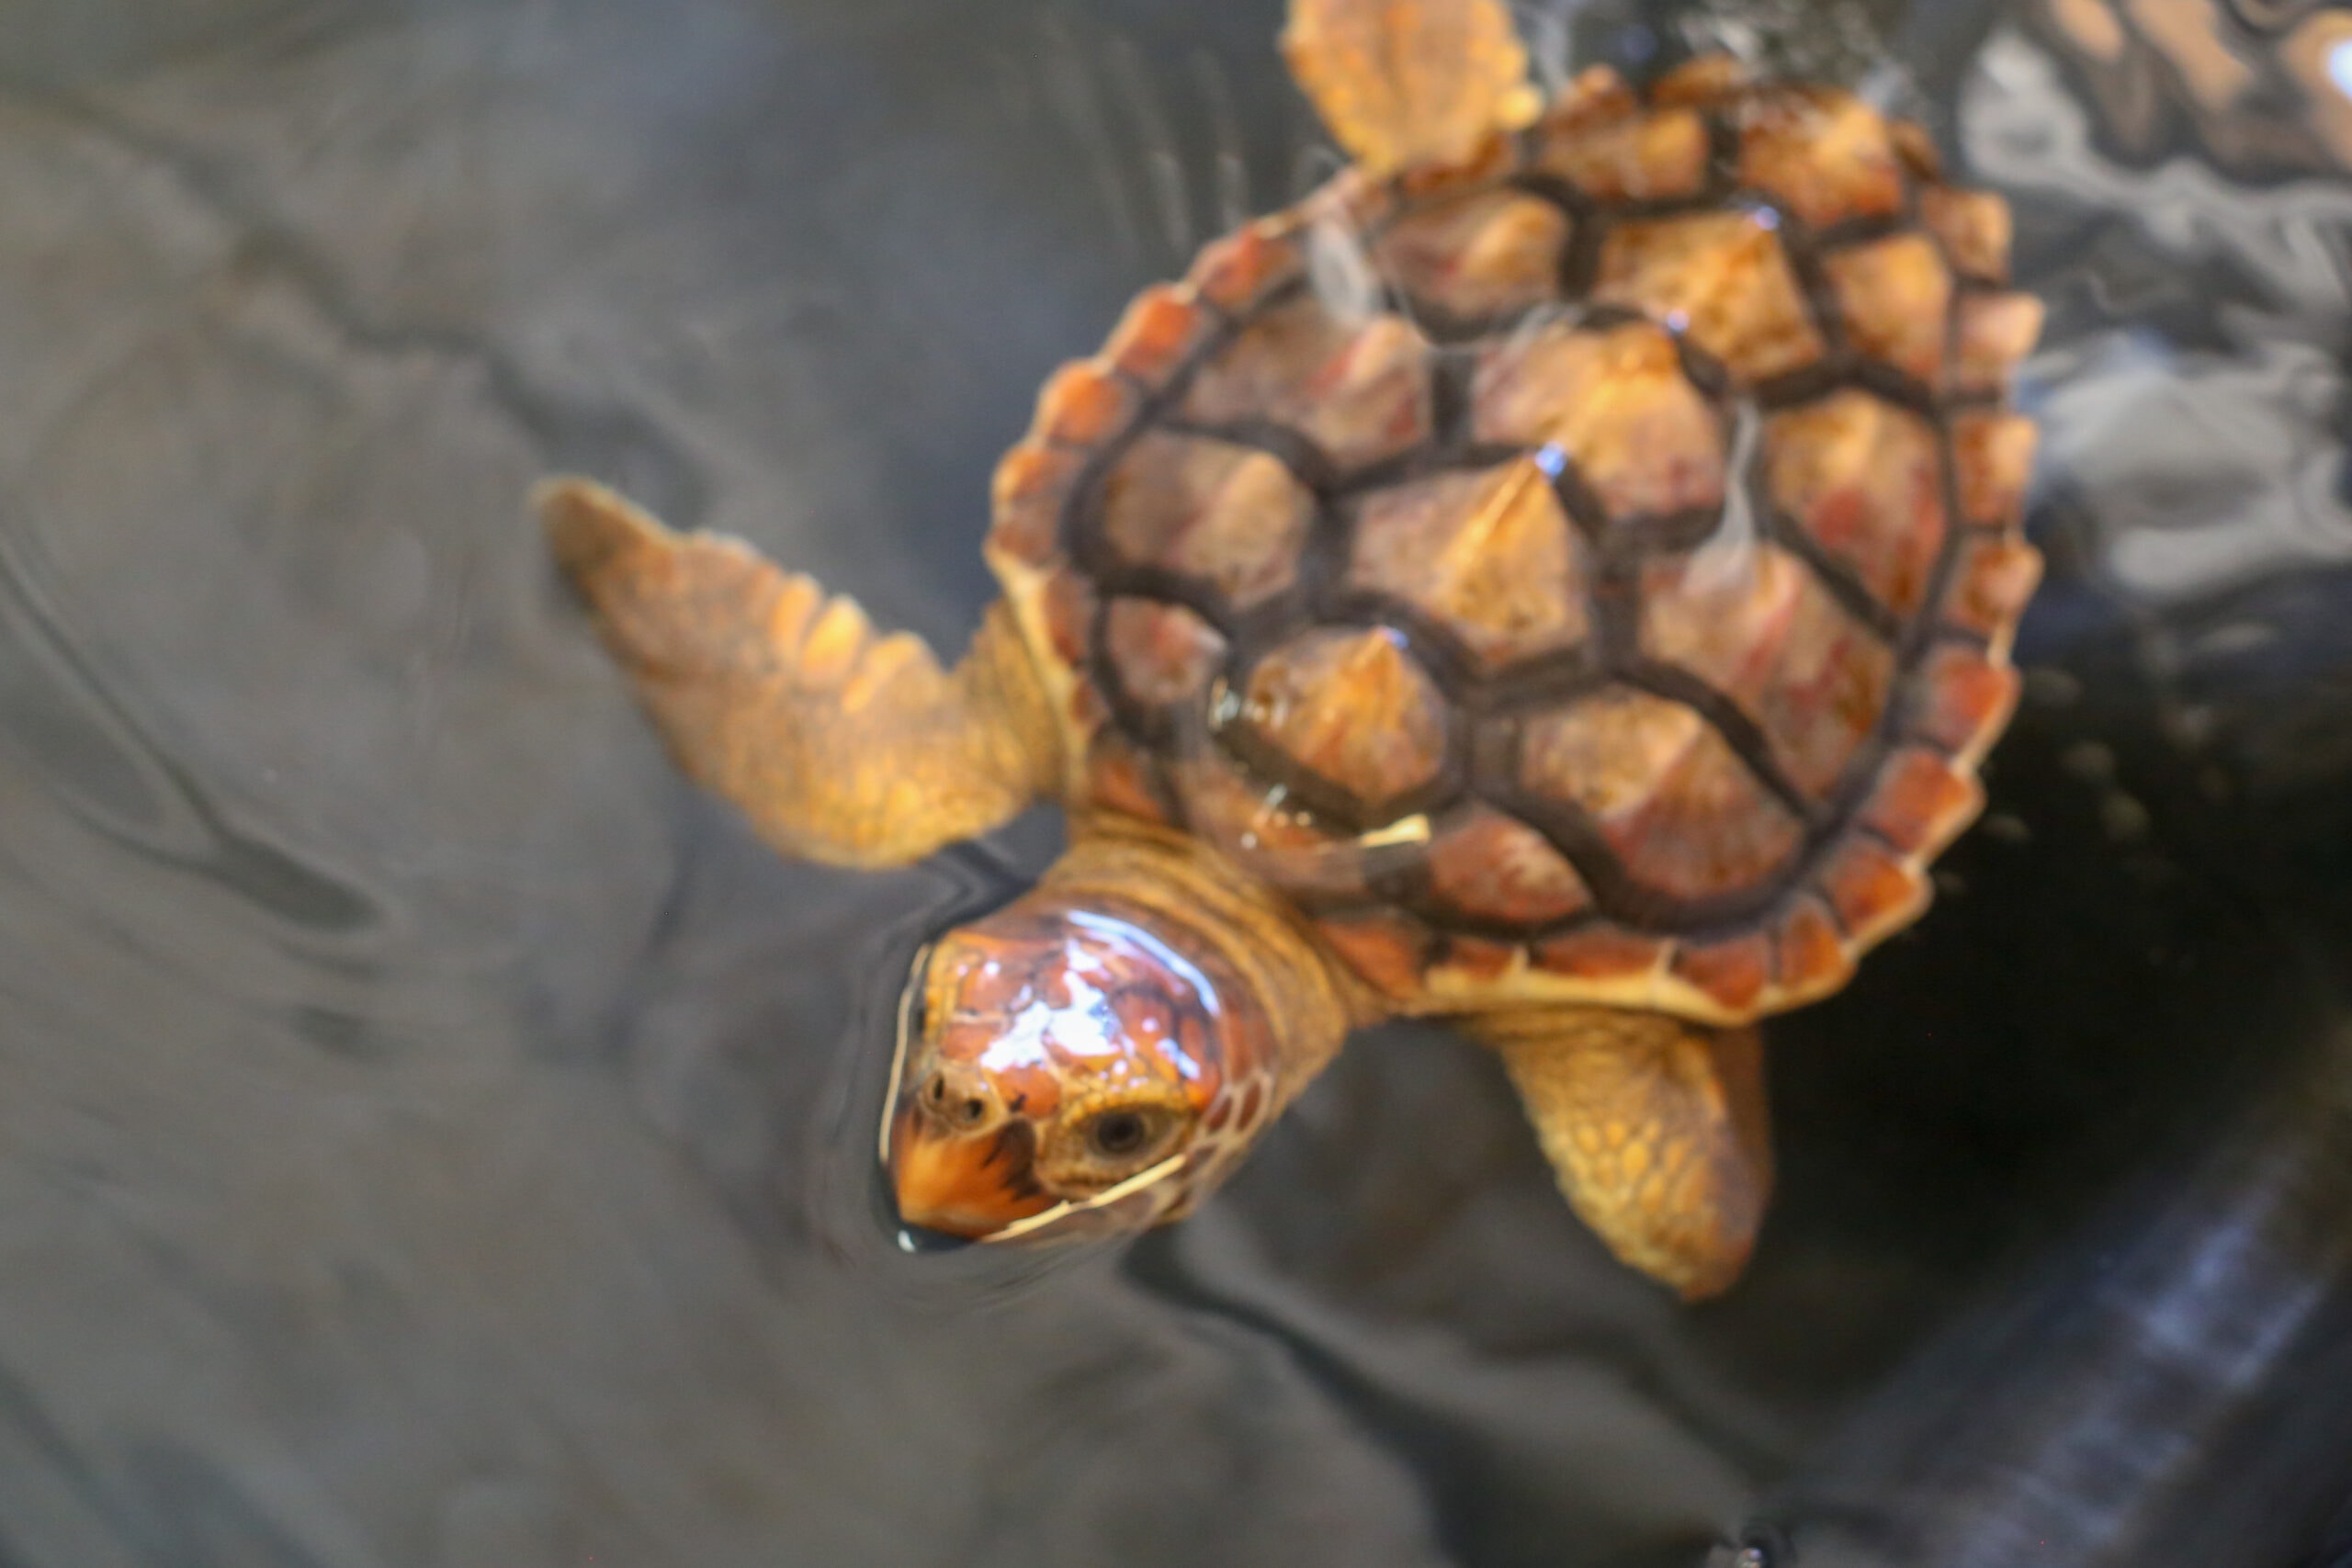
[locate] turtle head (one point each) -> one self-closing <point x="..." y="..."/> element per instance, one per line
<point x="1073" y="1071"/>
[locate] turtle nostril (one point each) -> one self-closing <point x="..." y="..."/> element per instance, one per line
<point x="955" y="1100"/>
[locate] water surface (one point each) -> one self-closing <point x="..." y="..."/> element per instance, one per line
<point x="432" y="1134"/>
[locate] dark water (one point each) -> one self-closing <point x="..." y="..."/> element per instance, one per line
<point x="431" y="1134"/>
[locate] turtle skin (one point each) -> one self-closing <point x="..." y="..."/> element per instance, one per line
<point x="1581" y="573"/>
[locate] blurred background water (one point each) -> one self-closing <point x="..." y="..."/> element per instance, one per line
<point x="430" y="1133"/>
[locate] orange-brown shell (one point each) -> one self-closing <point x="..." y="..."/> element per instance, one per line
<point x="1584" y="574"/>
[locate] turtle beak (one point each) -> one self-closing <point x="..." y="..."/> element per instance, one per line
<point x="967" y="1184"/>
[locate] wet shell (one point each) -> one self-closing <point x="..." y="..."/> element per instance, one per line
<point x="1583" y="574"/>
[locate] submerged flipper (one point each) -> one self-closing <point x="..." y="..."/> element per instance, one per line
<point x="842" y="746"/>
<point x="1403" y="82"/>
<point x="1656" y="1129"/>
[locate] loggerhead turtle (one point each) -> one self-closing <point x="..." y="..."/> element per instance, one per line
<point x="1557" y="580"/>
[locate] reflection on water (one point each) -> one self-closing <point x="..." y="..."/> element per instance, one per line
<point x="2262" y="86"/>
<point x="430" y="1133"/>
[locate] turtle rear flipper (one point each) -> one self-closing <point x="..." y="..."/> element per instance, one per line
<point x="1656" y="1129"/>
<point x="1403" y="82"/>
<point x="842" y="746"/>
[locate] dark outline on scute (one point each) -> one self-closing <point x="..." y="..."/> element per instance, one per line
<point x="1485" y="714"/>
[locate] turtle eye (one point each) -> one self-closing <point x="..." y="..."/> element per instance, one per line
<point x="1125" y="1134"/>
<point x="1115" y="1134"/>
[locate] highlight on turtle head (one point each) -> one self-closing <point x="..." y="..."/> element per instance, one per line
<point x="1071" y="1070"/>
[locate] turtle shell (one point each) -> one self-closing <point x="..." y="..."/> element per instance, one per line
<point x="1583" y="575"/>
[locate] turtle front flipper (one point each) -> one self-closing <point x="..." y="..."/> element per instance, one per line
<point x="1404" y="82"/>
<point x="842" y="746"/>
<point x="1656" y="1129"/>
